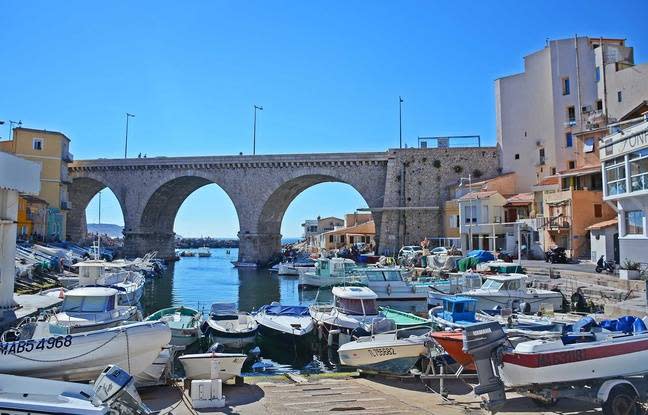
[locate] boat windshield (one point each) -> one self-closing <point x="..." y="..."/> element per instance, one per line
<point x="354" y="306"/>
<point x="512" y="285"/>
<point x="392" y="275"/>
<point x="492" y="285"/>
<point x="88" y="304"/>
<point x="374" y="275"/>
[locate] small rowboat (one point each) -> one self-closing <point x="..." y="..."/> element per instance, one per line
<point x="402" y="318"/>
<point x="184" y="323"/>
<point x="452" y="343"/>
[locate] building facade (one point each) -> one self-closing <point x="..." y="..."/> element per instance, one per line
<point x="16" y="175"/>
<point x="570" y="86"/>
<point x="51" y="150"/>
<point x="624" y="157"/>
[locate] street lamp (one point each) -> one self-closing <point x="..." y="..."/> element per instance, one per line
<point x="256" y="107"/>
<point x="470" y="205"/>
<point x="400" y="120"/>
<point x="126" y="144"/>
<point x="11" y="127"/>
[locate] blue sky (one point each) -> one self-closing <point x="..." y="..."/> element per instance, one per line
<point x="327" y="74"/>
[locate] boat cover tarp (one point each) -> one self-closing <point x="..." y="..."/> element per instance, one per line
<point x="286" y="310"/>
<point x="467" y="263"/>
<point x="625" y="324"/>
<point x="481" y="255"/>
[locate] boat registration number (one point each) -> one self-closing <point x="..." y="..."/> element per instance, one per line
<point x="28" y="346"/>
<point x="382" y="351"/>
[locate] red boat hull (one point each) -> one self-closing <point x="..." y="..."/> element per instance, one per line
<point x="452" y="343"/>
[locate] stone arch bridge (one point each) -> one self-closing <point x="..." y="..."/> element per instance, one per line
<point x="402" y="187"/>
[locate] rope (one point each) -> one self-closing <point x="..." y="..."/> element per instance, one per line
<point x="74" y="357"/>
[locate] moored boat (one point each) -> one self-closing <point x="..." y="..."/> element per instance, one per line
<point x="391" y="284"/>
<point x="229" y="327"/>
<point x="281" y="320"/>
<point x="329" y="272"/>
<point x="203" y="252"/>
<point x="403" y="319"/>
<point x="92" y="308"/>
<point x="184" y="323"/>
<point x="353" y="313"/>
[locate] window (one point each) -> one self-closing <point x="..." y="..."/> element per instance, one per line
<point x="599" y="105"/>
<point x="541" y="156"/>
<point x="598" y="210"/>
<point x="615" y="176"/>
<point x="38" y="144"/>
<point x="634" y="222"/>
<point x="565" y="86"/>
<point x="639" y="170"/>
<point x="517" y="156"/>
<point x="597" y="73"/>
<point x="568" y="140"/>
<point x="571" y="113"/>
<point x="470" y="214"/>
<point x="553" y="171"/>
<point x="619" y="96"/>
<point x="588" y="145"/>
<point x="571" y="164"/>
<point x="330" y="238"/>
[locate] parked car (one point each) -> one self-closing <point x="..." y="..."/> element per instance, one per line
<point x="409" y="251"/>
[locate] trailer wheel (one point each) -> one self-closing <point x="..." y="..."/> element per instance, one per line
<point x="622" y="400"/>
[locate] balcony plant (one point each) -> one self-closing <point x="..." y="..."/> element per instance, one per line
<point x="630" y="270"/>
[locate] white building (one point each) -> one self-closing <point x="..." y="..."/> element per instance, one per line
<point x="570" y="86"/>
<point x="476" y="210"/>
<point x="16" y="175"/>
<point x="625" y="185"/>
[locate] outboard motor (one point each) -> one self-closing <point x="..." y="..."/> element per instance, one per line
<point x="115" y="387"/>
<point x="483" y="341"/>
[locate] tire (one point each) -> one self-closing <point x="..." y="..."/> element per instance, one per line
<point x="599" y="269"/>
<point x="622" y="400"/>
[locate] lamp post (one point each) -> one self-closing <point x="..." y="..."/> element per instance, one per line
<point x="11" y="127"/>
<point x="256" y="107"/>
<point x="400" y="120"/>
<point x="126" y="143"/>
<point x="470" y="204"/>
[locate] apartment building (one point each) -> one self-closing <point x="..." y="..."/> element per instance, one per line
<point x="625" y="187"/>
<point x="569" y="86"/>
<point x="51" y="150"/>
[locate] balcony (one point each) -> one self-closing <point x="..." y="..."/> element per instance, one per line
<point x="558" y="223"/>
<point x="67" y="157"/>
<point x="562" y="197"/>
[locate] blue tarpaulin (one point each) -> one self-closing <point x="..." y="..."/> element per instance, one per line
<point x="286" y="310"/>
<point x="481" y="255"/>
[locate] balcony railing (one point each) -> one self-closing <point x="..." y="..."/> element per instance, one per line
<point x="68" y="157"/>
<point x="558" y="223"/>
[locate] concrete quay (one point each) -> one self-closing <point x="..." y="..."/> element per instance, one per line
<point x="349" y="395"/>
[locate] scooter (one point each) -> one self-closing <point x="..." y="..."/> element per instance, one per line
<point x="603" y="265"/>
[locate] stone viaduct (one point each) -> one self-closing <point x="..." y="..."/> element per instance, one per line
<point x="404" y="188"/>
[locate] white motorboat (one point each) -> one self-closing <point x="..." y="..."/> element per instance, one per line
<point x="394" y="352"/>
<point x="329" y="272"/>
<point x="92" y="308"/>
<point x="158" y="372"/>
<point x="295" y="268"/>
<point x="40" y="351"/>
<point x="390" y="284"/>
<point x="113" y="392"/>
<point x="276" y="319"/>
<point x="510" y="291"/>
<point x="199" y="366"/>
<point x="112" y="274"/>
<point x="203" y="252"/>
<point x="229" y="327"/>
<point x="353" y="313"/>
<point x="287" y="268"/>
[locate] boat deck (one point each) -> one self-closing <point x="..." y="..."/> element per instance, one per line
<point x="349" y="395"/>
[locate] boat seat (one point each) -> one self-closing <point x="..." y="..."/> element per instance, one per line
<point x="571" y="338"/>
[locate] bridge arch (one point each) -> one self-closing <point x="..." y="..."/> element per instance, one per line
<point x="80" y="193"/>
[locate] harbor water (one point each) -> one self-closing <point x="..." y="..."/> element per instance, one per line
<point x="198" y="282"/>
